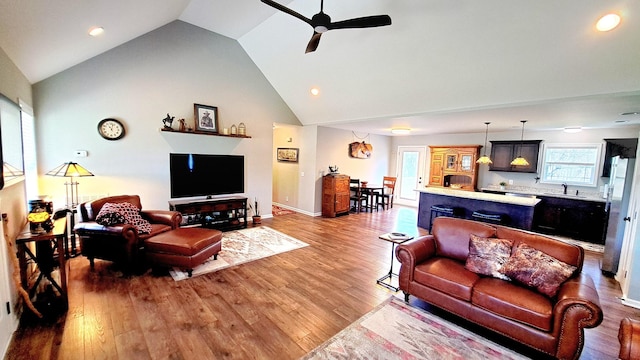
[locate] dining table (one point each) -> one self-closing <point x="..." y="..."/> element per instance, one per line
<point x="372" y="191"/>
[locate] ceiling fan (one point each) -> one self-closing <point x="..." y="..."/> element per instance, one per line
<point x="321" y="22"/>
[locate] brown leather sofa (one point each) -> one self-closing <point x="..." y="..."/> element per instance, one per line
<point x="629" y="337"/>
<point x="119" y="243"/>
<point x="433" y="269"/>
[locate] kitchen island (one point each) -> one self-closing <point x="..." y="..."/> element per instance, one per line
<point x="516" y="211"/>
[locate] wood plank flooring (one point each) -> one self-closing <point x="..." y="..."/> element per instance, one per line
<point x="279" y="307"/>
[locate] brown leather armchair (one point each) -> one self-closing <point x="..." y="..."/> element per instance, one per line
<point x="629" y="337"/>
<point x="119" y="243"/>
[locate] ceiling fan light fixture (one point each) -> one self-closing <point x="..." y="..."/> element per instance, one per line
<point x="320" y="29"/>
<point x="400" y="131"/>
<point x="608" y="22"/>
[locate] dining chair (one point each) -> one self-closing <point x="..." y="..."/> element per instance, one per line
<point x="357" y="197"/>
<point x="386" y="198"/>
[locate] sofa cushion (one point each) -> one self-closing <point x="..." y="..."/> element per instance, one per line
<point x="452" y="236"/>
<point x="536" y="269"/>
<point x="446" y="275"/>
<point x="110" y="215"/>
<point x="123" y="213"/>
<point x="487" y="255"/>
<point x="514" y="301"/>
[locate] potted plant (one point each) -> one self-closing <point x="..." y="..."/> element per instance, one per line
<point x="503" y="185"/>
<point x="257" y="219"/>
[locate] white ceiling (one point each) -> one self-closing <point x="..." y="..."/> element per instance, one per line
<point x="442" y="66"/>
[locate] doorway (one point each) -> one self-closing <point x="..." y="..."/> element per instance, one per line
<point x="411" y="162"/>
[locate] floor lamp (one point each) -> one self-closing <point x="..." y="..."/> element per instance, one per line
<point x="70" y="170"/>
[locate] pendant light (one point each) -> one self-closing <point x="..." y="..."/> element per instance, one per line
<point x="520" y="161"/>
<point x="484" y="159"/>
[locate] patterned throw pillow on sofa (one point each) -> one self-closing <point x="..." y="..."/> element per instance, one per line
<point x="488" y="255"/>
<point x="538" y="270"/>
<point x="123" y="213"/>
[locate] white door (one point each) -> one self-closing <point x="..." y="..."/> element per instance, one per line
<point x="411" y="161"/>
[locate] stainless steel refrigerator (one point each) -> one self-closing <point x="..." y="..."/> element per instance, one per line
<point x="619" y="190"/>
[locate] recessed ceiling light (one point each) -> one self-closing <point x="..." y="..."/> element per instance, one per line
<point x="608" y="22"/>
<point x="96" y="31"/>
<point x="400" y="131"/>
<point x="315" y="91"/>
<point x="572" y="129"/>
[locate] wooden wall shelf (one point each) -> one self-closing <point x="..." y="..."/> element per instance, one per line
<point x="206" y="133"/>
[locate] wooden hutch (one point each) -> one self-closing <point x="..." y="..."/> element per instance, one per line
<point x="454" y="166"/>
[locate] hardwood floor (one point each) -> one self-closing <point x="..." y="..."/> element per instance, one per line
<point x="279" y="307"/>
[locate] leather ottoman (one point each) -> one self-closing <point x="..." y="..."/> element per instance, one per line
<point x="185" y="248"/>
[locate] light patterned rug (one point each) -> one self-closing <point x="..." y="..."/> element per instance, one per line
<point x="242" y="246"/>
<point x="396" y="330"/>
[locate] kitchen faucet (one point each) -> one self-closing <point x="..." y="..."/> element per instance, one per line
<point x="565" y="188"/>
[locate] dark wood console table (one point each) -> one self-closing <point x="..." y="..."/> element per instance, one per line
<point x="48" y="247"/>
<point x="225" y="213"/>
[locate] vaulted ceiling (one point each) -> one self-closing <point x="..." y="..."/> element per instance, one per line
<point x="442" y="66"/>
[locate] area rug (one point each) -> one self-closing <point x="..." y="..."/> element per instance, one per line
<point x="277" y="210"/>
<point x="242" y="246"/>
<point x="396" y="330"/>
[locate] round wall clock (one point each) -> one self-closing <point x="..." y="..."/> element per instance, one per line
<point x="111" y="129"/>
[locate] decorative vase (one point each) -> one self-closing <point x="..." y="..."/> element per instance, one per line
<point x="502" y="187"/>
<point x="257" y="220"/>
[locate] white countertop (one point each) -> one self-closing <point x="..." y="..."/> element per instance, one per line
<point x="581" y="196"/>
<point x="515" y="200"/>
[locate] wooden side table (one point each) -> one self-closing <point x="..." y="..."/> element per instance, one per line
<point x="49" y="245"/>
<point x="394" y="239"/>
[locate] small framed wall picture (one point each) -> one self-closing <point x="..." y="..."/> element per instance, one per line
<point x="287" y="155"/>
<point x="206" y="118"/>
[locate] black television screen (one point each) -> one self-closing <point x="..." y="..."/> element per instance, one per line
<point x="205" y="175"/>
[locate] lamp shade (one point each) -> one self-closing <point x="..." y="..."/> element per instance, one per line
<point x="520" y="160"/>
<point x="70" y="169"/>
<point x="10" y="172"/>
<point x="484" y="159"/>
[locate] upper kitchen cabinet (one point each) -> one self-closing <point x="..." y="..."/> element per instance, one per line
<point x="503" y="152"/>
<point x="625" y="148"/>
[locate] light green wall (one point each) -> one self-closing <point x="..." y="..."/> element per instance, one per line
<point x="164" y="71"/>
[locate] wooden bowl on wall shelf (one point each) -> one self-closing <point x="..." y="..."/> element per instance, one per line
<point x="364" y="183"/>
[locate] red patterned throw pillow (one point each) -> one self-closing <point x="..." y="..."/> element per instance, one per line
<point x="488" y="255"/>
<point x="123" y="213"/>
<point x="538" y="270"/>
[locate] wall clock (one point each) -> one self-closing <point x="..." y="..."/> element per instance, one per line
<point x="111" y="129"/>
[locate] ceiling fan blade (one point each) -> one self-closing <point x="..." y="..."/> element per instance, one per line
<point x="361" y="22"/>
<point x="313" y="43"/>
<point x="287" y="10"/>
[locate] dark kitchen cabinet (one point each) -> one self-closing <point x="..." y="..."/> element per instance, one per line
<point x="503" y="152"/>
<point x="626" y="148"/>
<point x="579" y="219"/>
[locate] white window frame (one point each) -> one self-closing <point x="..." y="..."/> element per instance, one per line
<point x="597" y="163"/>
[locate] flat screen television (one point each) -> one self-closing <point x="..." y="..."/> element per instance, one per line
<point x="194" y="175"/>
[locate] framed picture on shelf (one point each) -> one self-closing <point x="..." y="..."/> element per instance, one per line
<point x="206" y="118"/>
<point x="287" y="154"/>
